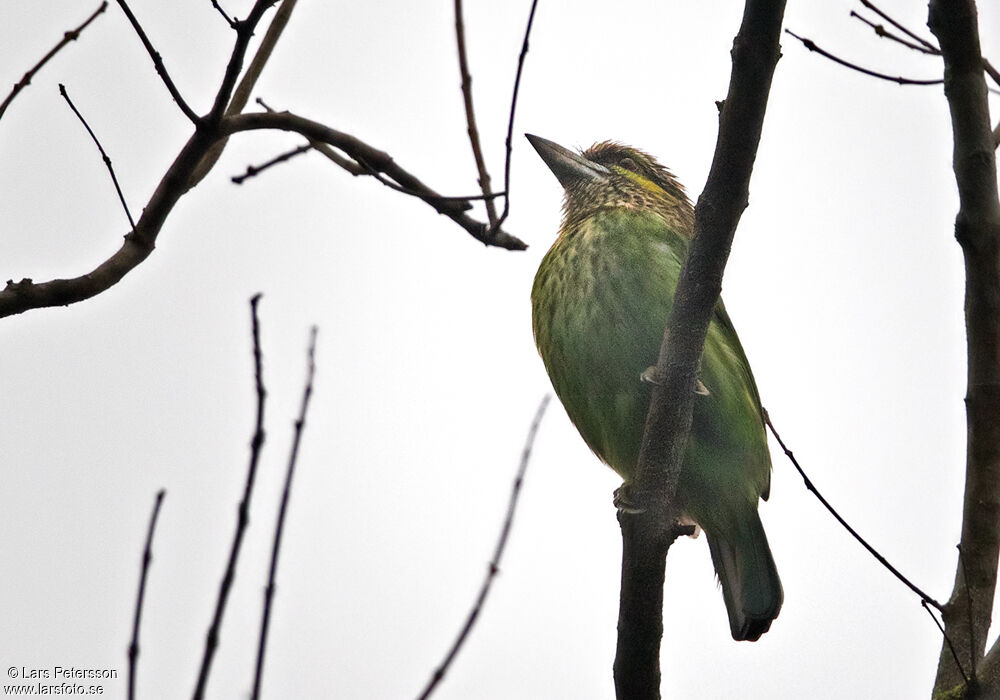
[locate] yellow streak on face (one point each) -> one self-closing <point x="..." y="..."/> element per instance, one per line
<point x="643" y="182"/>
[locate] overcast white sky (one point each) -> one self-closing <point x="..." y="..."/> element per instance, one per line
<point x="845" y="284"/>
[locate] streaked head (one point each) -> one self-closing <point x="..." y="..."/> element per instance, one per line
<point x="610" y="174"/>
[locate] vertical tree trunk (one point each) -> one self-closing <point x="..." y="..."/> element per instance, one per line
<point x="977" y="229"/>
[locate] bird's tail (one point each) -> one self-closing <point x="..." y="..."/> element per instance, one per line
<point x="750" y="584"/>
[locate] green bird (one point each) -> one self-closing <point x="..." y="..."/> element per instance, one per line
<point x="600" y="303"/>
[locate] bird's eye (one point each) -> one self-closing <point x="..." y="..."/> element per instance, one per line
<point x="628" y="164"/>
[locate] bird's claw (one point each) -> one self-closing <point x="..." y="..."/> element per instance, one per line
<point x="650" y="376"/>
<point x="624" y="503"/>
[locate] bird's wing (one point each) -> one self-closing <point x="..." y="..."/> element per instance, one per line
<point x="721" y="317"/>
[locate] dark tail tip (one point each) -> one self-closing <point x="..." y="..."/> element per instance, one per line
<point x="750" y="584"/>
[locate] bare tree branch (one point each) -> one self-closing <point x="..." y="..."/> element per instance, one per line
<point x="928" y="46"/>
<point x="71" y="35"/>
<point x="811" y="45"/>
<point x="280" y="526"/>
<point x="494" y="567"/>
<point x="376" y="160"/>
<point x="18" y="297"/>
<point x="147" y="559"/>
<point x="190" y="164"/>
<point x="355" y="167"/>
<point x="977" y="229"/>
<point x="351" y="166"/>
<point x="161" y="69"/>
<point x="923" y="45"/>
<point x="104" y="155"/>
<point x="243" y="511"/>
<point x="470" y="117"/>
<point x="884" y="33"/>
<point x="649" y="530"/>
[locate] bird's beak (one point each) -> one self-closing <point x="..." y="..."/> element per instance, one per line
<point x="567" y="166"/>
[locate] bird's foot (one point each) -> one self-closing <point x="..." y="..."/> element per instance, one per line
<point x="650" y="376"/>
<point x="624" y="503"/>
<point x="683" y="526"/>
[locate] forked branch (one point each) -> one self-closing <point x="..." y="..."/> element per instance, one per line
<point x="200" y="153"/>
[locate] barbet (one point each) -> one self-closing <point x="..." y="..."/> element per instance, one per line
<point x="600" y="303"/>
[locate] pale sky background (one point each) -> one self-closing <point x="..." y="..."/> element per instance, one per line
<point x="845" y="283"/>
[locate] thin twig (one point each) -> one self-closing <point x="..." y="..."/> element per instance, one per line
<point x="811" y="45"/>
<point x="470" y="117"/>
<point x="826" y="504"/>
<point x="431" y="199"/>
<point x="510" y="122"/>
<point x="991" y="71"/>
<point x="944" y="634"/>
<point x="241" y="95"/>
<point x="243" y="512"/>
<point x="244" y="33"/>
<point x="494" y="566"/>
<point x="924" y="46"/>
<point x="928" y="45"/>
<point x="884" y="33"/>
<point x="254" y="170"/>
<point x="279" y="528"/>
<point x="71" y="35"/>
<point x="147" y="558"/>
<point x="161" y="69"/>
<point x="229" y="20"/>
<point x="104" y="156"/>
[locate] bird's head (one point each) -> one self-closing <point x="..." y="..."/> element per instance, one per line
<point x="609" y="175"/>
